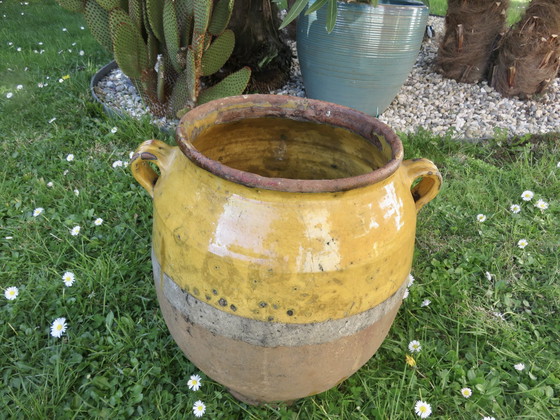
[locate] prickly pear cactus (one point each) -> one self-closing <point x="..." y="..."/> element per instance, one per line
<point x="166" y="47"/>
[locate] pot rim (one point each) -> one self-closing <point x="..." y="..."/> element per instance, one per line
<point x="235" y="108"/>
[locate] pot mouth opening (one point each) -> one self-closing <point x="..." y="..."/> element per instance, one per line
<point x="289" y="144"/>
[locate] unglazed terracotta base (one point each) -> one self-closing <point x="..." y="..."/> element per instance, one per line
<point x="258" y="374"/>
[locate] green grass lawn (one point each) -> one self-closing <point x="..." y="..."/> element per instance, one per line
<point x="439" y="7"/>
<point x="493" y="305"/>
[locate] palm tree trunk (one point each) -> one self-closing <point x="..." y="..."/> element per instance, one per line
<point x="529" y="53"/>
<point x="472" y="30"/>
<point x="259" y="44"/>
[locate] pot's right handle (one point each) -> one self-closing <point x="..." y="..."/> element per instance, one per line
<point x="429" y="185"/>
<point x="154" y="151"/>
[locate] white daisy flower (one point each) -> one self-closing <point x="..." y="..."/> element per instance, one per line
<point x="406" y="293"/>
<point x="38" y="211"/>
<point x="58" y="327"/>
<point x="76" y="192"/>
<point x="98" y="221"/>
<point x="81" y="52"/>
<point x="117" y="163"/>
<point x="423" y="409"/>
<point x="64" y="30"/>
<point x="522" y="243"/>
<point x="466" y="392"/>
<point x="114" y="130"/>
<point x="426" y="302"/>
<point x="541" y="204"/>
<point x="68" y="278"/>
<point x="410" y="279"/>
<point x="488" y="276"/>
<point x="519" y="366"/>
<point x="414" y="346"/>
<point x="50" y="184"/>
<point x="9" y="95"/>
<point x="70" y="157"/>
<point x="558" y="165"/>
<point x="194" y="382"/>
<point x="515" y="208"/>
<point x="19" y="87"/>
<point x="11" y="293"/>
<point x="75" y="230"/>
<point x="527" y="195"/>
<point x="481" y="217"/>
<point x="199" y="408"/>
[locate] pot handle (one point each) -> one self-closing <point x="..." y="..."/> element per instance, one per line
<point x="154" y="151"/>
<point x="430" y="184"/>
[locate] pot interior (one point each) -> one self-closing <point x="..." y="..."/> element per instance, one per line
<point x="276" y="147"/>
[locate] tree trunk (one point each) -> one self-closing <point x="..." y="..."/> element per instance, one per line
<point x="529" y="53"/>
<point x="472" y="30"/>
<point x="260" y="45"/>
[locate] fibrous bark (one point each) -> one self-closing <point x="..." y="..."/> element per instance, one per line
<point x="529" y="53"/>
<point x="472" y="30"/>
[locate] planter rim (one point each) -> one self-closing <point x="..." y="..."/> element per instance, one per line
<point x="387" y="3"/>
<point x="236" y="108"/>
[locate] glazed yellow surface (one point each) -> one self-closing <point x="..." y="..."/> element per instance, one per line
<point x="279" y="256"/>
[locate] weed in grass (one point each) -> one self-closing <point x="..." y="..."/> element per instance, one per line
<point x="494" y="306"/>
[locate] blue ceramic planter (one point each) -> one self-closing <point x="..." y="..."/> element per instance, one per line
<point x="368" y="56"/>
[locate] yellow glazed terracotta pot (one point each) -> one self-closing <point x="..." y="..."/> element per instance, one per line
<point x="283" y="234"/>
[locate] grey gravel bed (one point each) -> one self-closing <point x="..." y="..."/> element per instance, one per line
<point x="426" y="101"/>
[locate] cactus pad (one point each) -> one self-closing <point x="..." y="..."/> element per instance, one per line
<point x="218" y="53"/>
<point x="180" y="96"/>
<point x="109" y="4"/>
<point x="97" y="19"/>
<point x="154" y="10"/>
<point x="135" y="11"/>
<point x="232" y="85"/>
<point x="131" y="53"/>
<point x="220" y="16"/>
<point x="171" y="32"/>
<point x="202" y="11"/>
<point x="76" y="6"/>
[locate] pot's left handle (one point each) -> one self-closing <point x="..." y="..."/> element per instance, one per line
<point x="153" y="151"/>
<point x="430" y="180"/>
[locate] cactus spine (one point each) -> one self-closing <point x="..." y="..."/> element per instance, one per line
<point x="166" y="47"/>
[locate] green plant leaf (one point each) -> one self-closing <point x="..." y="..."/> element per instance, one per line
<point x="331" y="15"/>
<point x="294" y="12"/>
<point x="316" y="6"/>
